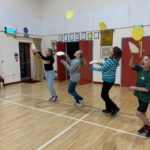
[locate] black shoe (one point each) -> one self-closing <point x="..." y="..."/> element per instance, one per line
<point x="143" y="129"/>
<point x="114" y="112"/>
<point x="54" y="99"/>
<point x="106" y="111"/>
<point x="148" y="134"/>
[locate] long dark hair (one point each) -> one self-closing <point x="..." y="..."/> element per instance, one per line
<point x="50" y="50"/>
<point x="117" y="53"/>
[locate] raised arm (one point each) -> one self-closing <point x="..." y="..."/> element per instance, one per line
<point x="131" y="64"/>
<point x="72" y="67"/>
<point x="68" y="58"/>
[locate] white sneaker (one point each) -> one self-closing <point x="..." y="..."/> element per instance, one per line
<point x="54" y="99"/>
<point x="80" y="104"/>
<point x="51" y="98"/>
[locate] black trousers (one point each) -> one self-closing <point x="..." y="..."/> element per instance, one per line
<point x="110" y="105"/>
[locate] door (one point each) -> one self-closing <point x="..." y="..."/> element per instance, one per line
<point x="25" y="66"/>
<point x="71" y="48"/>
<point x="128" y="75"/>
<point x="86" y="74"/>
<point x="61" y="70"/>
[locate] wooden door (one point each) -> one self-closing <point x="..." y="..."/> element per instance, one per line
<point x="61" y="70"/>
<point x="25" y="63"/>
<point x="128" y="75"/>
<point x="86" y="74"/>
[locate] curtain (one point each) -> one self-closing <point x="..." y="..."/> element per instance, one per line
<point x="38" y="64"/>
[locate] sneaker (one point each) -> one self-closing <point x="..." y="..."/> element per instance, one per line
<point x="114" y="112"/>
<point x="106" y="111"/>
<point x="54" y="99"/>
<point x="143" y="129"/>
<point x="80" y="104"/>
<point x="148" y="134"/>
<point x="51" y="98"/>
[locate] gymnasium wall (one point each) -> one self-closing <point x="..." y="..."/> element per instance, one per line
<point x="20" y="14"/>
<point x="47" y="18"/>
<point x="88" y="14"/>
<point x="9" y="67"/>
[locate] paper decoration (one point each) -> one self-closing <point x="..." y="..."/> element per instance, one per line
<point x="33" y="46"/>
<point x="138" y="33"/>
<point x="102" y="26"/>
<point x="69" y="14"/>
<point x="133" y="48"/>
<point x="60" y="53"/>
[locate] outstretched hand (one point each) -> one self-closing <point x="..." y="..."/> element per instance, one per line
<point x="132" y="88"/>
<point x="34" y="51"/>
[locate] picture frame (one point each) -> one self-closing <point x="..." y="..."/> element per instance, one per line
<point x="90" y="36"/>
<point x="105" y="52"/>
<point x="60" y="37"/>
<point x="53" y="44"/>
<point x="77" y="36"/>
<point x="96" y="35"/>
<point x="71" y="37"/>
<point x="83" y="36"/>
<point x="65" y="37"/>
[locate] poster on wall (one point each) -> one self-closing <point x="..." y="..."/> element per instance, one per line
<point x="83" y="36"/>
<point x="106" y="37"/>
<point x="71" y="37"/>
<point x="60" y="37"/>
<point x="96" y="35"/>
<point x="77" y="36"/>
<point x="65" y="37"/>
<point x="90" y="36"/>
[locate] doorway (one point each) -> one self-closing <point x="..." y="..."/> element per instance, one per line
<point x="25" y="65"/>
<point x="128" y="77"/>
<point x="71" y="48"/>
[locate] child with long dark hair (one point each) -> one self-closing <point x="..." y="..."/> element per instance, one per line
<point x="108" y="69"/>
<point x="142" y="90"/>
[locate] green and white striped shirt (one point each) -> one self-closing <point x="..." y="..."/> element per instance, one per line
<point x="108" y="69"/>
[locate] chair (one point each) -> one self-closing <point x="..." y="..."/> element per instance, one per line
<point x="2" y="80"/>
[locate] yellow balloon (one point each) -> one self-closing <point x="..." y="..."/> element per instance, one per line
<point x="137" y="33"/>
<point x="69" y="14"/>
<point x="102" y="26"/>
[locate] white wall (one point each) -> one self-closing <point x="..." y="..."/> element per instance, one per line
<point x="88" y="14"/>
<point x="118" y="35"/>
<point x="9" y="68"/>
<point x="47" y="18"/>
<point x="20" y="14"/>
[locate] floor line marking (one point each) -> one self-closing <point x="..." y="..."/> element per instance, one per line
<point x="97" y="109"/>
<point x="107" y="127"/>
<point x="64" y="131"/>
<point x="39" y="109"/>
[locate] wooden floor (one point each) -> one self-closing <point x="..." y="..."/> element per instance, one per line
<point x="29" y="122"/>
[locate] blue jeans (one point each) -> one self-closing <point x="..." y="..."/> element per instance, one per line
<point x="71" y="90"/>
<point x="50" y="75"/>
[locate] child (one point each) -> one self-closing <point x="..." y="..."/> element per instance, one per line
<point x="142" y="91"/>
<point x="108" y="69"/>
<point x="50" y="75"/>
<point x="73" y="66"/>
